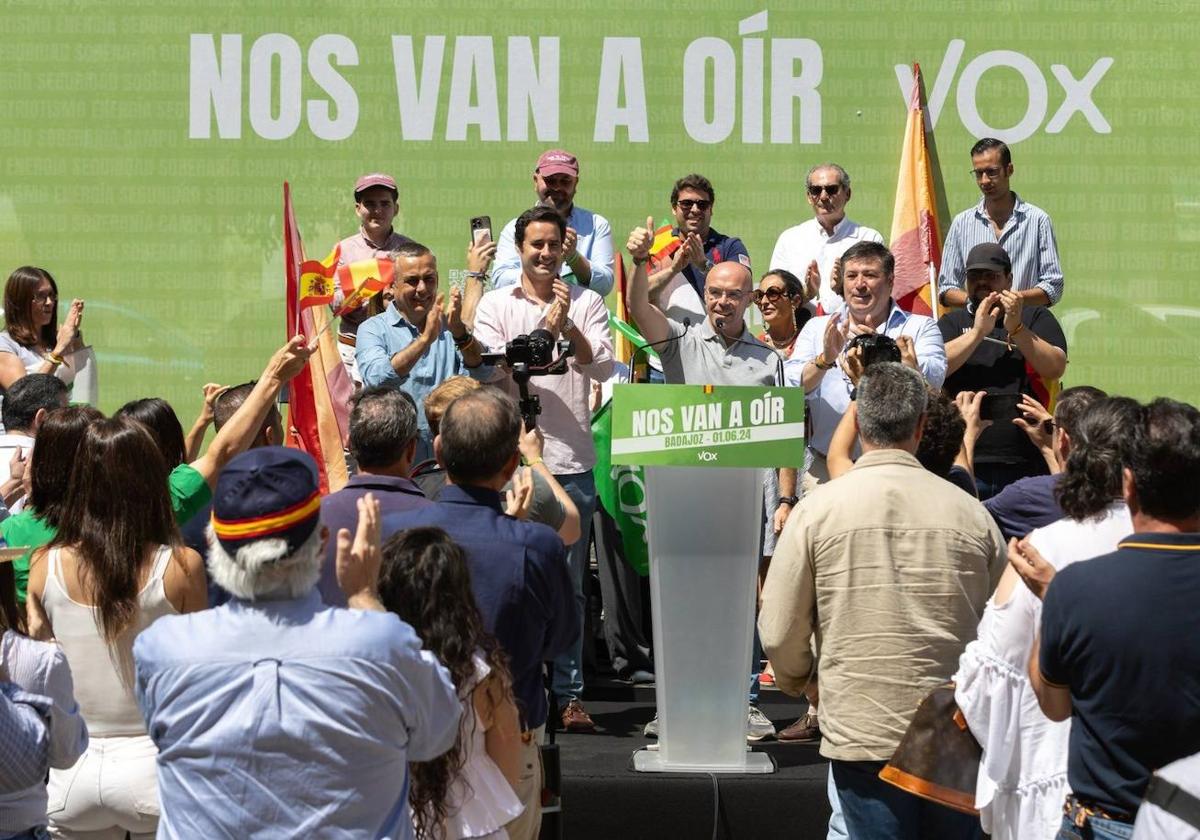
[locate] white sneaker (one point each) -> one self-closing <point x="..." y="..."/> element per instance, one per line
<point x="758" y="726"/>
<point x="651" y="729"/>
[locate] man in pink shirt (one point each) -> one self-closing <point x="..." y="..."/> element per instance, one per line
<point x="375" y="204"/>
<point x="541" y="300"/>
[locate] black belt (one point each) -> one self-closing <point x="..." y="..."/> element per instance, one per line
<point x="1174" y="800"/>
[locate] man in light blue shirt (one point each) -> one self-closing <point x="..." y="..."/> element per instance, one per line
<point x="412" y="346"/>
<point x="828" y="373"/>
<point x="1002" y="217"/>
<point x="275" y="715"/>
<point x="587" y="246"/>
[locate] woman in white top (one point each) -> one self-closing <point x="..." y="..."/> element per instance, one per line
<point x="39" y="668"/>
<point x="31" y="343"/>
<point x="115" y="566"/>
<point x="1023" y="773"/>
<point x="468" y="791"/>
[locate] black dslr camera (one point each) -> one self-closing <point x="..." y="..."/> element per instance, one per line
<point x="875" y="347"/>
<point x="532" y="355"/>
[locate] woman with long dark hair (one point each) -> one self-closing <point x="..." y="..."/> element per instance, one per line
<point x="32" y="341"/>
<point x="468" y="791"/>
<point x="115" y="566"/>
<point x="1023" y="772"/>
<point x="48" y="473"/>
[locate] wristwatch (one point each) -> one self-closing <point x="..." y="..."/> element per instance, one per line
<point x="790" y="501"/>
<point x="568" y="325"/>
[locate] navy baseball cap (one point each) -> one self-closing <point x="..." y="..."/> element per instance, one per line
<point x="268" y="492"/>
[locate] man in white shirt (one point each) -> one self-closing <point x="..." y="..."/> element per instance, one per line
<point x="811" y="249"/>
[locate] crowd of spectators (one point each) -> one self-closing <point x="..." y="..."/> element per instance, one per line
<point x="198" y="643"/>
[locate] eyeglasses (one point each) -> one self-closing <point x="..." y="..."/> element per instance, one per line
<point x="993" y="172"/>
<point x="772" y="294"/>
<point x="717" y="294"/>
<point x="686" y="204"/>
<point x="49" y="297"/>
<point x="831" y="190"/>
<point x="1048" y="426"/>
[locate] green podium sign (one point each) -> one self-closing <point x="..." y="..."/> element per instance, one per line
<point x="707" y="426"/>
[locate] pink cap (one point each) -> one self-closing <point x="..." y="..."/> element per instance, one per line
<point x="557" y="162"/>
<point x="375" y="179"/>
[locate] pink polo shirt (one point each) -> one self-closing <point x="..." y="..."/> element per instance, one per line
<point x="566" y="418"/>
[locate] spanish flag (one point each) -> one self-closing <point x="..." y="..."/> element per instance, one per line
<point x="361" y="281"/>
<point x="318" y="419"/>
<point x="916" y="240"/>
<point x="316" y="279"/>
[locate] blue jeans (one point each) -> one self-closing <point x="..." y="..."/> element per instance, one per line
<point x="876" y="810"/>
<point x="837" y="823"/>
<point x="567" y="679"/>
<point x="1096" y="829"/>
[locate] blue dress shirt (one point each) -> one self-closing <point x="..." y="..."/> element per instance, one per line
<point x="520" y="579"/>
<point x="1027" y="238"/>
<point x="385" y="335"/>
<point x="830" y="399"/>
<point x="593" y="239"/>
<point x="289" y="719"/>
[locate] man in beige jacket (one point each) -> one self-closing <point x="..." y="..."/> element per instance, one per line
<point x="889" y="568"/>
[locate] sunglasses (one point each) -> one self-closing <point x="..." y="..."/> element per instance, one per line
<point x="773" y="294"/>
<point x="829" y="189"/>
<point x="686" y="204"/>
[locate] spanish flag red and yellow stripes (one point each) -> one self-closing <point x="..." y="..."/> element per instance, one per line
<point x="916" y="240"/>
<point x="316" y="279"/>
<point x="319" y="398"/>
<point x="361" y="281"/>
<point x="258" y="527"/>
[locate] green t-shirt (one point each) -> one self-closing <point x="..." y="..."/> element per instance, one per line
<point x="189" y="494"/>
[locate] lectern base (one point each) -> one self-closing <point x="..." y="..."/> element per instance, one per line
<point x="652" y="761"/>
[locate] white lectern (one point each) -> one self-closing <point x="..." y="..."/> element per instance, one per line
<point x="704" y="523"/>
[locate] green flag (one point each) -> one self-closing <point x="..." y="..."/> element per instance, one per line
<point x="622" y="491"/>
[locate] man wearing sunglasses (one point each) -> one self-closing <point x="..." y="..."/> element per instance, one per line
<point x="809" y="250"/>
<point x="1002" y="218"/>
<point x="694" y="247"/>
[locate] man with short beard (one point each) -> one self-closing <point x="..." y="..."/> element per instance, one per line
<point x="274" y="713"/>
<point x="1006" y="347"/>
<point x="587" y="249"/>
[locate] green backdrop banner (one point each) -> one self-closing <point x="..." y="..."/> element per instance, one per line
<point x="144" y="146"/>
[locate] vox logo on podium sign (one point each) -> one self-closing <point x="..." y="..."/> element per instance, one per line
<point x="706" y="426"/>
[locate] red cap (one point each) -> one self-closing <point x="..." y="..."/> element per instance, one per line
<point x="375" y="179"/>
<point x="557" y="162"/>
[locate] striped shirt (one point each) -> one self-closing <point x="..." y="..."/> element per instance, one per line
<point x="1027" y="237"/>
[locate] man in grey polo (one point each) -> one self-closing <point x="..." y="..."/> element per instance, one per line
<point x="717" y="351"/>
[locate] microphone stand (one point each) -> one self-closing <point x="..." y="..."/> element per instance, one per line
<point x="642" y="348"/>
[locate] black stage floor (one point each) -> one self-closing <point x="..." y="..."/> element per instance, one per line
<point x="604" y="798"/>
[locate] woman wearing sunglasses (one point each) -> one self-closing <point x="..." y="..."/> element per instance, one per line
<point x="780" y="299"/>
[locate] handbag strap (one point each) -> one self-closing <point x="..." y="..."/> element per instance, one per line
<point x="1174" y="800"/>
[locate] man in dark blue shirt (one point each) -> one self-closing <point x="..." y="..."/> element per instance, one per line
<point x="1118" y="652"/>
<point x="1030" y="502"/>
<point x="519" y="571"/>
<point x="694" y="247"/>
<point x="383" y="441"/>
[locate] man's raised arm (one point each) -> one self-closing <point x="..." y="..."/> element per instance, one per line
<point x="650" y="320"/>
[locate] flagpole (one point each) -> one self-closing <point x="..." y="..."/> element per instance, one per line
<point x="933" y="291"/>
